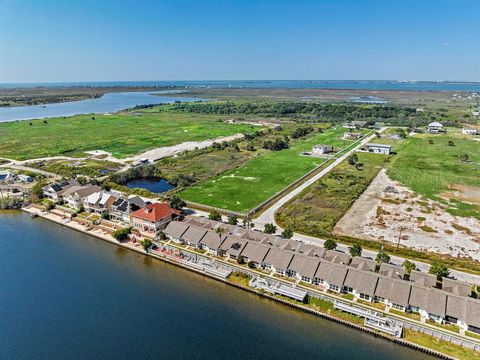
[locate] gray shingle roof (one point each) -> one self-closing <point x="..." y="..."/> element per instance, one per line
<point x="176" y="229"/>
<point x="423" y="279"/>
<point x="432" y="300"/>
<point x="255" y="252"/>
<point x="212" y="240"/>
<point x="337" y="257"/>
<point x="194" y="234"/>
<point x="278" y="259"/>
<point x="391" y="271"/>
<point x="233" y="245"/>
<point x="397" y="291"/>
<point x="364" y="282"/>
<point x="332" y="273"/>
<point x="304" y="266"/>
<point x="456" y="287"/>
<point x="364" y="264"/>
<point x="464" y="309"/>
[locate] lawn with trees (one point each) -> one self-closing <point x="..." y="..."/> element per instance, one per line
<point x="245" y="187"/>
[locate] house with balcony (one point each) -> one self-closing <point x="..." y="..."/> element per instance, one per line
<point x="153" y="218"/>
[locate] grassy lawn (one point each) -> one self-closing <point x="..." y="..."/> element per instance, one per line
<point x="243" y="188"/>
<point x="317" y="209"/>
<point x="122" y="134"/>
<point x="441" y="346"/>
<point x="239" y="278"/>
<point x="430" y="169"/>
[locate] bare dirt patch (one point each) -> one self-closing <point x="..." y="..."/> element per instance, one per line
<point x="465" y="193"/>
<point x="389" y="211"/>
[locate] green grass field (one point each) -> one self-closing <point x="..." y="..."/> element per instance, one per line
<point x="123" y="134"/>
<point x="316" y="210"/>
<point x="431" y="169"/>
<point x="249" y="185"/>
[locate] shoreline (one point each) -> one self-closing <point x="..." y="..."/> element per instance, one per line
<point x="185" y="266"/>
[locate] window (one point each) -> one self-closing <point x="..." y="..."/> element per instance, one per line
<point x="380" y="299"/>
<point x="398" y="307"/>
<point x="334" y="288"/>
<point x="365" y="296"/>
<point x="305" y="278"/>
<point x="474" y="329"/>
<point x="348" y="289"/>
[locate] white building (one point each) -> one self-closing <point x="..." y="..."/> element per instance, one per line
<point x="469" y="131"/>
<point x="320" y="149"/>
<point x="435" y="127"/>
<point x="379" y="148"/>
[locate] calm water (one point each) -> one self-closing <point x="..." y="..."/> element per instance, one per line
<point x="153" y="185"/>
<point x="66" y="295"/>
<point x="292" y="84"/>
<point x="110" y="102"/>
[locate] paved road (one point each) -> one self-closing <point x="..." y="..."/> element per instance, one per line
<point x="27" y="168"/>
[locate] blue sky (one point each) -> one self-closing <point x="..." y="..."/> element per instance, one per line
<point x="52" y="40"/>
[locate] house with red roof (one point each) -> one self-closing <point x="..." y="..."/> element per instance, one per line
<point x="153" y="218"/>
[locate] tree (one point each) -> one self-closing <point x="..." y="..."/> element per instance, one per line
<point x="382" y="257"/>
<point x="219" y="230"/>
<point x="146" y="243"/>
<point x="82" y="180"/>
<point x="251" y="265"/>
<point x="248" y="223"/>
<point x="409" y="266"/>
<point x="105" y="215"/>
<point x="353" y="159"/>
<point x="121" y="234"/>
<point x="355" y="250"/>
<point x="439" y="269"/>
<point x="240" y="260"/>
<point x="330" y="244"/>
<point x="430" y="141"/>
<point x="287" y="233"/>
<point x="176" y="202"/>
<point x="269" y="228"/>
<point x="232" y="219"/>
<point x="464" y="158"/>
<point x="451" y="143"/>
<point x="215" y="215"/>
<point x="162" y="236"/>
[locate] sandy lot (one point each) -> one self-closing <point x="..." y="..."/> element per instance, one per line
<point x="387" y="210"/>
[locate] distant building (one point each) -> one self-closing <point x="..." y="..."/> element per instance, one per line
<point x="24" y="178"/>
<point x="154" y="218"/>
<point x="469" y="131"/>
<point x="379" y="148"/>
<point x="320" y="149"/>
<point x="434" y="127"/>
<point x="352" y="135"/>
<point x="355" y="124"/>
<point x="75" y="195"/>
<point x="56" y="191"/>
<point x="5" y="177"/>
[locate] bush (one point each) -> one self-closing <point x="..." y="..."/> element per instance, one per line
<point x="251" y="265"/>
<point x="122" y="234"/>
<point x="330" y="244"/>
<point x="269" y="228"/>
<point x="215" y="215"/>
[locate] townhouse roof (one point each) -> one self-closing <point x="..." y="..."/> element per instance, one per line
<point x="423" y="279"/>
<point x="397" y="291"/>
<point x="456" y="287"/>
<point x="466" y="310"/>
<point x="337" y="257"/>
<point x="304" y="265"/>
<point x="255" y="252"/>
<point x="364" y="282"/>
<point x="155" y="212"/>
<point x="364" y="264"/>
<point x="194" y="234"/>
<point x="254" y="235"/>
<point x="431" y="300"/>
<point x="391" y="271"/>
<point x="176" y="229"/>
<point x="82" y="191"/>
<point x="212" y="240"/>
<point x="278" y="259"/>
<point x="332" y="273"/>
<point x="233" y="245"/>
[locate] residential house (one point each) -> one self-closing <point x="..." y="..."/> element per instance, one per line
<point x="175" y="230"/>
<point x="153" y="218"/>
<point x="456" y="287"/>
<point x="99" y="202"/>
<point x="391" y="271"/>
<point x="361" y="284"/>
<point x="363" y="264"/>
<point x="277" y="260"/>
<point x="423" y="279"/>
<point x="337" y="257"/>
<point x="303" y="268"/>
<point x="463" y="312"/>
<point x="122" y="209"/>
<point x="469" y="131"/>
<point x="232" y="247"/>
<point x="212" y="242"/>
<point x="379" y="148"/>
<point x="430" y="303"/>
<point x="193" y="236"/>
<point x="331" y="275"/>
<point x="75" y="195"/>
<point x="55" y="191"/>
<point x="434" y="127"/>
<point x="320" y="149"/>
<point x="24" y="178"/>
<point x="255" y="253"/>
<point x="352" y="135"/>
<point x="6" y="177"/>
<point x="395" y="294"/>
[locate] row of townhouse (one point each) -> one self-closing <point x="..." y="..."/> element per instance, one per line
<point x="335" y="271"/>
<point x="148" y="218"/>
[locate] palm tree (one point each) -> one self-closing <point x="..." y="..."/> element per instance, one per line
<point x="220" y="230"/>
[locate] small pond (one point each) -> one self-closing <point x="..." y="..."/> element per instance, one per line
<point x="151" y="184"/>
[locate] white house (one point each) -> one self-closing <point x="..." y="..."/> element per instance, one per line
<point x="379" y="148"/>
<point x="435" y="127"/>
<point x="320" y="149"/>
<point x="75" y="195"/>
<point x="469" y="131"/>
